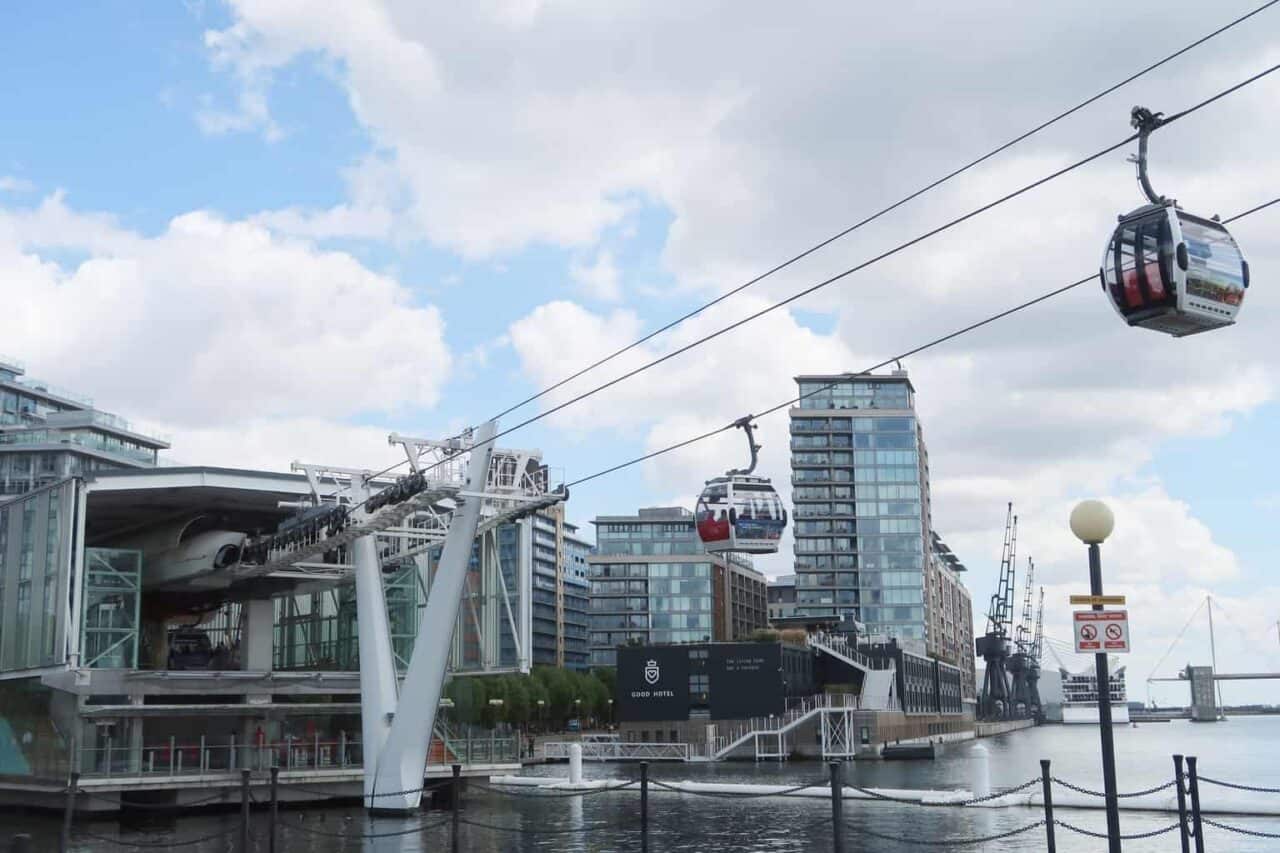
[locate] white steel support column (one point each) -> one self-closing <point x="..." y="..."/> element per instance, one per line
<point x="377" y="664"/>
<point x="401" y="762"/>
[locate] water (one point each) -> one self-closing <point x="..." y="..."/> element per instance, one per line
<point x="1241" y="750"/>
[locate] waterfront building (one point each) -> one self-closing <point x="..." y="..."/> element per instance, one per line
<point x="653" y="582"/>
<point x="699" y="694"/>
<point x="950" y="612"/>
<point x="1080" y="694"/>
<point x="559" y="590"/>
<point x="48" y="434"/>
<point x="136" y="650"/>
<point x="782" y="598"/>
<point x="862" y="520"/>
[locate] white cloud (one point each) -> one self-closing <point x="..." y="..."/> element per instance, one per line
<point x="600" y="279"/>
<point x="11" y="184"/>
<point x="212" y="323"/>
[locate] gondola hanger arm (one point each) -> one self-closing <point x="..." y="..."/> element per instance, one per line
<point x="1145" y="122"/>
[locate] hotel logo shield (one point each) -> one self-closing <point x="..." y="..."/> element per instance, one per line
<point x="651" y="672"/>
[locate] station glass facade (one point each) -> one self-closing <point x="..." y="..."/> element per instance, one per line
<point x="860" y="482"/>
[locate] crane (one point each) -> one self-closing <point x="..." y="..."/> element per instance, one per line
<point x="994" y="647"/>
<point x="1033" y="663"/>
<point x="1023" y="670"/>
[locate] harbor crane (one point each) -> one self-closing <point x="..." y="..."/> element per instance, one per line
<point x="994" y="700"/>
<point x="1023" y="665"/>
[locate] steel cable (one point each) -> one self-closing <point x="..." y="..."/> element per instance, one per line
<point x="1131" y="837"/>
<point x="1153" y="790"/>
<point x="727" y="795"/>
<point x="1240" y="830"/>
<point x="873" y="217"/>
<point x="839" y="277"/>
<point x="954" y="803"/>
<point x="157" y="845"/>
<point x="1092" y="277"/>
<point x="948" y="842"/>
<point x="392" y="834"/>
<point x="551" y="795"/>
<point x="1257" y="789"/>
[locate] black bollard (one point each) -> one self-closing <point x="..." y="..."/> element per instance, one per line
<point x="1046" y="780"/>
<point x="275" y="808"/>
<point x="1197" y="828"/>
<point x="244" y="812"/>
<point x="21" y="843"/>
<point x="644" y="802"/>
<point x="456" y="804"/>
<point x="837" y="807"/>
<point x="64" y="843"/>
<point x="1182" y="804"/>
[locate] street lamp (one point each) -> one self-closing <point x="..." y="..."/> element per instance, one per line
<point x="1092" y="522"/>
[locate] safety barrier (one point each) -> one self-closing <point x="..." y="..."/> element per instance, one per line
<point x="1190" y="824"/>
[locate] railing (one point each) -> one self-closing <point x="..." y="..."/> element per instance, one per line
<point x="619" y="751"/>
<point x="185" y="758"/>
<point x="837" y="644"/>
<point x="796" y="712"/>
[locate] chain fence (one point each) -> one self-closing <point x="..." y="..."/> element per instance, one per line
<point x="947" y="842"/>
<point x="1131" y="837"/>
<point x="157" y="845"/>
<point x="1257" y="789"/>
<point x="1155" y="789"/>
<point x="746" y="795"/>
<point x="1239" y="830"/>
<point x="306" y="830"/>
<point x="995" y="795"/>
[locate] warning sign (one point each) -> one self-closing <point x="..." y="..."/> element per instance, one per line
<point x="1105" y="631"/>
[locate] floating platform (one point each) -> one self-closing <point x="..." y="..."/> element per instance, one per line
<point x="908" y="752"/>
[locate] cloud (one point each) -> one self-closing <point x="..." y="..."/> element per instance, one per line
<point x="10" y="184"/>
<point x="212" y="323"/>
<point x="600" y="279"/>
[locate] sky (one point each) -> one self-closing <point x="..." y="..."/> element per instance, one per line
<point x="277" y="230"/>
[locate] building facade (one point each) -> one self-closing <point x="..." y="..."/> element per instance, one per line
<point x="651" y="582"/>
<point x="864" y="546"/>
<point x="782" y="597"/>
<point x="950" y="614"/>
<point x="47" y="435"/>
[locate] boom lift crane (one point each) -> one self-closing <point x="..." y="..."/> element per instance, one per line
<point x="994" y="647"/>
<point x="1020" y="665"/>
<point x="1033" y="673"/>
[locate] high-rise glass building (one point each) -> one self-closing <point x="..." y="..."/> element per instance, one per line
<point x="653" y="582"/>
<point x="860" y="477"/>
<point x="560" y="589"/>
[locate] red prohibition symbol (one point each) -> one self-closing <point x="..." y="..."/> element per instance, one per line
<point x="1088" y="632"/>
<point x="1114" y="632"/>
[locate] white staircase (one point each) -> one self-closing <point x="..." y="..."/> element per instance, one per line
<point x="879" y="675"/>
<point x="768" y="735"/>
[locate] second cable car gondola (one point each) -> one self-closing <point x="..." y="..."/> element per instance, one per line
<point x="1168" y="270"/>
<point x="740" y="512"/>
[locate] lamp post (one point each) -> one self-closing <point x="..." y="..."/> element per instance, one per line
<point x="1092" y="522"/>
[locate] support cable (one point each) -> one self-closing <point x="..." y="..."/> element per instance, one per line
<point x="850" y="271"/>
<point x="1190" y="618"/>
<point x="918" y="349"/>
<point x="874" y="216"/>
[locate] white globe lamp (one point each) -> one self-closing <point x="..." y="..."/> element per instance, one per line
<point x="1092" y="522"/>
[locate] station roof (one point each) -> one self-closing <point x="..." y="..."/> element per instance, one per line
<point x="125" y="501"/>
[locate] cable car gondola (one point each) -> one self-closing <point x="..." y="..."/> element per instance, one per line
<point x="739" y="512"/>
<point x="1168" y="270"/>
